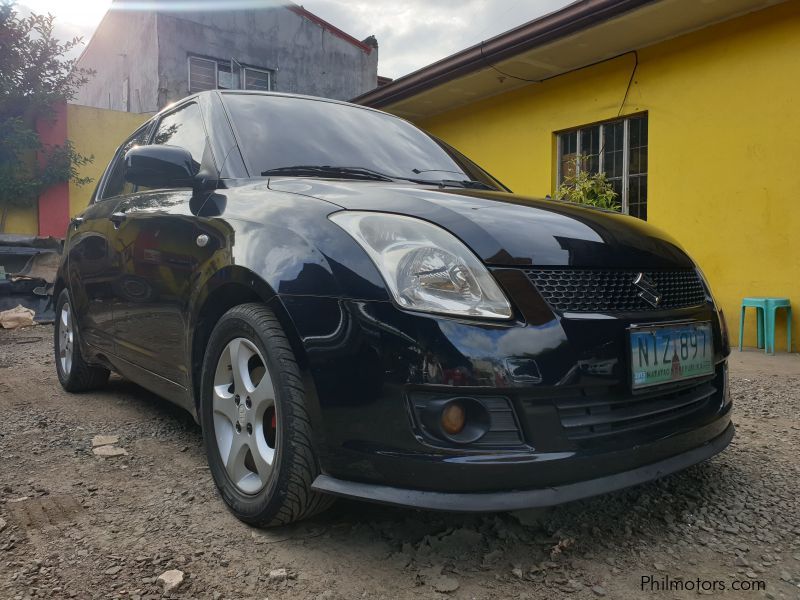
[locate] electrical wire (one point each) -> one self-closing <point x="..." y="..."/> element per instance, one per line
<point x="630" y="82"/>
<point x="627" y="88"/>
<point x="509" y="75"/>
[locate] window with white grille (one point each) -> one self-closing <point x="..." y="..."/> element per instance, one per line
<point x="213" y="74"/>
<point x="257" y="79"/>
<point x="202" y="74"/>
<point x="617" y="148"/>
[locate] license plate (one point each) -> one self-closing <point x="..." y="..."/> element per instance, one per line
<point x="671" y="353"/>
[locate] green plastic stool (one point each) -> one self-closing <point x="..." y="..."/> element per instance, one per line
<point x="766" y="308"/>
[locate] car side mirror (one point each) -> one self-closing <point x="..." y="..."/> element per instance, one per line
<point x="160" y="166"/>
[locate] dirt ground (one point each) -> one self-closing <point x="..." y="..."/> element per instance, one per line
<point x="73" y="524"/>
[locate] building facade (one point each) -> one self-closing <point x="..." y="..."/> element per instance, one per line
<point x="145" y="59"/>
<point x="689" y="108"/>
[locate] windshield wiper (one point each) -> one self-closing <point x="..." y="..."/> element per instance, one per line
<point x="329" y="171"/>
<point x="462" y="183"/>
<point x="369" y="175"/>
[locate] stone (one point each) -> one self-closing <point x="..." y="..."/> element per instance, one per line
<point x="2" y="524"/>
<point x="113" y="570"/>
<point x="573" y="585"/>
<point x="445" y="584"/>
<point x="171" y="580"/>
<point x="276" y="575"/>
<point x="730" y="528"/>
<point x="599" y="590"/>
<point x="109" y="451"/>
<point x="104" y="440"/>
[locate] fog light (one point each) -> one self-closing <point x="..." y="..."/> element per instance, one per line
<point x="454" y="417"/>
<point x="459" y="420"/>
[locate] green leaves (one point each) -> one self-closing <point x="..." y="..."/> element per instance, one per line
<point x="34" y="73"/>
<point x="583" y="187"/>
<point x="35" y="76"/>
<point x="27" y="166"/>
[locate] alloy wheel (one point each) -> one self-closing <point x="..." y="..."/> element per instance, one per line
<point x="65" y="339"/>
<point x="245" y="419"/>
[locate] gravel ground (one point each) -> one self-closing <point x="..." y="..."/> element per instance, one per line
<point x="73" y="524"/>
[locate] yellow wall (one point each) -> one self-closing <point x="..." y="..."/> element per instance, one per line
<point x="95" y="132"/>
<point x="724" y="146"/>
<point x="98" y="132"/>
<point x="22" y="220"/>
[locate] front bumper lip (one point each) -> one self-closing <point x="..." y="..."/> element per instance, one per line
<point x="520" y="499"/>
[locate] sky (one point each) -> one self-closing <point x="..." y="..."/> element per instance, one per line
<point x="410" y="33"/>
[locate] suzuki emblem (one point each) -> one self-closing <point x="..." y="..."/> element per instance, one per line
<point x="648" y="290"/>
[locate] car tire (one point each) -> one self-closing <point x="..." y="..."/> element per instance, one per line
<point x="74" y="373"/>
<point x="248" y="359"/>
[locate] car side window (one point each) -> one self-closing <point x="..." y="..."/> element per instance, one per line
<point x="183" y="128"/>
<point x="115" y="183"/>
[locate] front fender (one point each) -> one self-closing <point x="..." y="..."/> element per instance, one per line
<point x="287" y="240"/>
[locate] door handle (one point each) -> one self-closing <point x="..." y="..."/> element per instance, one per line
<point x="76" y="222"/>
<point x="117" y="218"/>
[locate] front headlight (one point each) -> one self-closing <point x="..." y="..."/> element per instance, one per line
<point x="425" y="267"/>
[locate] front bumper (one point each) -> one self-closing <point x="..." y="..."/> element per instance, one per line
<point x="580" y="429"/>
<point x="521" y="499"/>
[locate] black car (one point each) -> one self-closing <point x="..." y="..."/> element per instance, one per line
<point x="350" y="307"/>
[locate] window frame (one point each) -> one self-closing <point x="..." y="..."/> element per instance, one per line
<point x="267" y="72"/>
<point x="209" y="147"/>
<point x="175" y="109"/>
<point x="242" y="73"/>
<point x="150" y="128"/>
<point x="189" y="59"/>
<point x="147" y="128"/>
<point x="626" y="149"/>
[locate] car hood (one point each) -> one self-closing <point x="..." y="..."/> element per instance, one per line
<point x="505" y="229"/>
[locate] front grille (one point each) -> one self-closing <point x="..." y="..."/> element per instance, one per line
<point x="597" y="417"/>
<point x="604" y="290"/>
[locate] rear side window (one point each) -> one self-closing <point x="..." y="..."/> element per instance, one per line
<point x="116" y="184"/>
<point x="183" y="128"/>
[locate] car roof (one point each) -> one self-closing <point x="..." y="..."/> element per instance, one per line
<point x="172" y="105"/>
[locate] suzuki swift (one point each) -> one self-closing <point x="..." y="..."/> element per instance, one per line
<point x="350" y="307"/>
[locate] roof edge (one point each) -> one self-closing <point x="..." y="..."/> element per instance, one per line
<point x="569" y="20"/>
<point x="303" y="12"/>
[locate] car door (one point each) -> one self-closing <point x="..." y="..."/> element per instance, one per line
<point x="91" y="259"/>
<point x="156" y="241"/>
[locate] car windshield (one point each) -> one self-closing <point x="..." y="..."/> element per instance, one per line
<point x="314" y="138"/>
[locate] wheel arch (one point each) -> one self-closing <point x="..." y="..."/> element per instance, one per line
<point x="232" y="286"/>
<point x="59" y="284"/>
